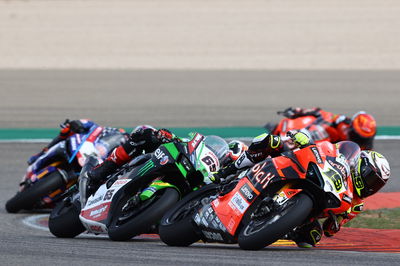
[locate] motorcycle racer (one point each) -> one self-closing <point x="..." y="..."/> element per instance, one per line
<point x="360" y="128"/>
<point x="57" y="147"/>
<point x="143" y="139"/>
<point x="364" y="171"/>
<point x="68" y="128"/>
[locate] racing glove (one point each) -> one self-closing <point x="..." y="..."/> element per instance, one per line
<point x="217" y="177"/>
<point x="164" y="135"/>
<point x="299" y="138"/>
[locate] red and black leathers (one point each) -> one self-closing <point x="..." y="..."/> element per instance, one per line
<point x="271" y="145"/>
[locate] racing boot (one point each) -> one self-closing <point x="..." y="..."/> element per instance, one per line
<point x="307" y="235"/>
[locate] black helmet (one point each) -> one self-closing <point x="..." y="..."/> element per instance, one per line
<point x="371" y="173"/>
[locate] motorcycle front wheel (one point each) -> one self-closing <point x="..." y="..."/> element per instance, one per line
<point x="176" y="227"/>
<point x="64" y="220"/>
<point x="263" y="231"/>
<point x="125" y="225"/>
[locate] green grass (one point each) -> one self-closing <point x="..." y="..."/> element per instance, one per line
<point x="377" y="219"/>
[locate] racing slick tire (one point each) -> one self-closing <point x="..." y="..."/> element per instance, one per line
<point x="176" y="227"/>
<point x="64" y="220"/>
<point x="29" y="197"/>
<point x="147" y="215"/>
<point x="261" y="232"/>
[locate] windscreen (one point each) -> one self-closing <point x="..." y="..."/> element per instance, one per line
<point x="217" y="145"/>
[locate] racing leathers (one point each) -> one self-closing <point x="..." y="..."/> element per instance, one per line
<point x="141" y="140"/>
<point x="336" y="127"/>
<point x="68" y="128"/>
<point x="57" y="150"/>
<point x="310" y="233"/>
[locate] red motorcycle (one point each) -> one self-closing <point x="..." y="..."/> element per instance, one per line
<point x="316" y="127"/>
<point x="268" y="201"/>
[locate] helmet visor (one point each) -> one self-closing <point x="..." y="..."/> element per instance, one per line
<point x="372" y="181"/>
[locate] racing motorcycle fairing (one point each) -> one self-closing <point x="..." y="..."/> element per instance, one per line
<point x="68" y="157"/>
<point x="193" y="161"/>
<point x="315" y="170"/>
<point x="316" y="127"/>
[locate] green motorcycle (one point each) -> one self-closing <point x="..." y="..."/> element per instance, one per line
<point x="136" y="197"/>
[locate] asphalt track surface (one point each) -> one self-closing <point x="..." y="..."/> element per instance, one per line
<point x="23" y="245"/>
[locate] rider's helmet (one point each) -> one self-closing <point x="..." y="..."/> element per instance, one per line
<point x="371" y="173"/>
<point x="143" y="127"/>
<point x="236" y="148"/>
<point x="363" y="129"/>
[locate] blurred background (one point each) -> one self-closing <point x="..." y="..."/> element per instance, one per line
<point x="195" y="63"/>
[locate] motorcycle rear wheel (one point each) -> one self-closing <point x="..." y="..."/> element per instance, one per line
<point x="64" y="220"/>
<point x="27" y="198"/>
<point x="176" y="227"/>
<point x="259" y="233"/>
<point x="143" y="221"/>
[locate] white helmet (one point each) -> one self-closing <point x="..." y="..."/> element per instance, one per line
<point x="371" y="173"/>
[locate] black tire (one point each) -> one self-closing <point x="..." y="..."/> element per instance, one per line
<point x="176" y="227"/>
<point x="143" y="221"/>
<point x="260" y="233"/>
<point x="31" y="196"/>
<point x="64" y="220"/>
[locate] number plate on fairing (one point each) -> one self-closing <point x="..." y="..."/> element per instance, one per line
<point x="96" y="210"/>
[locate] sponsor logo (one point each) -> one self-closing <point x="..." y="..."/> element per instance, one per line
<point x="239" y="203"/>
<point x="73" y="144"/>
<point x="347" y="198"/>
<point x="197" y="219"/>
<point x="196" y="141"/>
<point x="216" y="202"/>
<point x="317" y="155"/>
<point x="231" y="224"/>
<point x="204" y="221"/>
<point x="192" y="145"/>
<point x="159" y="154"/>
<point x="94" y="200"/>
<point x="247" y="192"/>
<point x="164" y="160"/>
<point x="213" y="235"/>
<point x="240" y="160"/>
<point x="113" y="156"/>
<point x="97" y="228"/>
<point x="97" y="212"/>
<point x="338" y="167"/>
<point x="120" y="182"/>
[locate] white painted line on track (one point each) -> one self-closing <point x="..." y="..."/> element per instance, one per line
<point x="31" y="221"/>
